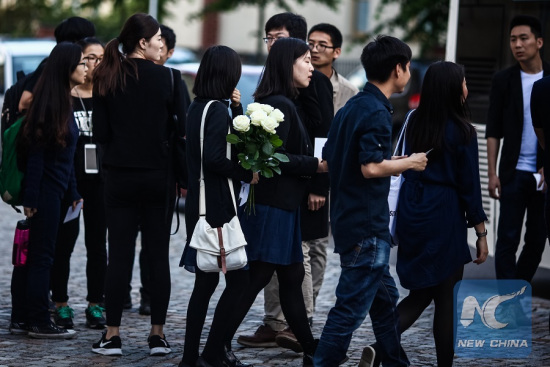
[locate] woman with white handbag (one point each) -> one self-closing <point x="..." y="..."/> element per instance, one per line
<point x="210" y="201"/>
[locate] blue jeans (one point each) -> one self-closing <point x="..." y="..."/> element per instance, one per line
<point x="365" y="285"/>
<point x="519" y="196"/>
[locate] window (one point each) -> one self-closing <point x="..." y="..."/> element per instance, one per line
<point x="361" y="16"/>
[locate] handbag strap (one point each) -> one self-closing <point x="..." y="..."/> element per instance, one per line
<point x="402" y="136"/>
<point x="202" y="194"/>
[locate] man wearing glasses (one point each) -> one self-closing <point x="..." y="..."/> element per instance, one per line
<point x="314" y="105"/>
<point x="325" y="43"/>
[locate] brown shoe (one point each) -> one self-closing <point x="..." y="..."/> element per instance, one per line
<point x="286" y="339"/>
<point x="264" y="337"/>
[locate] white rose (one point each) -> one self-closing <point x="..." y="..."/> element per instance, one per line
<point x="253" y="107"/>
<point x="267" y="108"/>
<point x="269" y="124"/>
<point x="277" y="115"/>
<point x="241" y="123"/>
<point x="257" y="117"/>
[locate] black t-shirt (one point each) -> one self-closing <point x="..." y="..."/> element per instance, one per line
<point x="82" y="109"/>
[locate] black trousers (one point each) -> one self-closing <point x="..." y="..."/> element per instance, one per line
<point x="95" y="238"/>
<point x="138" y="199"/>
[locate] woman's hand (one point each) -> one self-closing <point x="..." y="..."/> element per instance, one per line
<point x="75" y="204"/>
<point x="236" y="98"/>
<point x="255" y="178"/>
<point x="482" y="250"/>
<point x="315" y="202"/>
<point x="323" y="166"/>
<point x="29" y="212"/>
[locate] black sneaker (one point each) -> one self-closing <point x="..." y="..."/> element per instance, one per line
<point x="111" y="347"/>
<point x="158" y="345"/>
<point x="94" y="317"/>
<point x="50" y="331"/>
<point x="64" y="317"/>
<point x="18" y="328"/>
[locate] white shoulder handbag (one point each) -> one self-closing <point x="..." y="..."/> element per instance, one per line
<point x="218" y="249"/>
<point x="396" y="182"/>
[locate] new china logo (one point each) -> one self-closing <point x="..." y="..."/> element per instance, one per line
<point x="492" y="318"/>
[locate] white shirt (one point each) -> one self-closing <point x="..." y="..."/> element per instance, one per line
<point x="527" y="160"/>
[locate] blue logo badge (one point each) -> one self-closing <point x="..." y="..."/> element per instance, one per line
<point x="492" y="318"/>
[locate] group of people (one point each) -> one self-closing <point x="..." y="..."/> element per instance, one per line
<point x="141" y="113"/>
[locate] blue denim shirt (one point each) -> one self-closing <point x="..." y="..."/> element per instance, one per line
<point x="360" y="134"/>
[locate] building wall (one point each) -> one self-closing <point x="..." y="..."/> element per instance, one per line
<point x="238" y="29"/>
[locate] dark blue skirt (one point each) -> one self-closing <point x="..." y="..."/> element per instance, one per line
<point x="273" y="235"/>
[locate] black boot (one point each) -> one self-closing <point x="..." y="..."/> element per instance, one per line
<point x="231" y="360"/>
<point x="201" y="362"/>
<point x="309" y="351"/>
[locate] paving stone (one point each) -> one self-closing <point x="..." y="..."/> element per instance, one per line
<point x="20" y="351"/>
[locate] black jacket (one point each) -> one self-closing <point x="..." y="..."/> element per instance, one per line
<point x="316" y="109"/>
<point x="133" y="126"/>
<point x="505" y="118"/>
<point x="285" y="191"/>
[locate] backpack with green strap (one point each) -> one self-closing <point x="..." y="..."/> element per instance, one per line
<point x="11" y="178"/>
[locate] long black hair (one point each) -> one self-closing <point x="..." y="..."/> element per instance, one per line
<point x="441" y="100"/>
<point x="277" y="77"/>
<point x="218" y="74"/>
<point x="46" y="122"/>
<point x="111" y="73"/>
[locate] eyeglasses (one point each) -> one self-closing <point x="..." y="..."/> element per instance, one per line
<point x="93" y="59"/>
<point x="270" y="40"/>
<point x="320" y="47"/>
<point x="82" y="64"/>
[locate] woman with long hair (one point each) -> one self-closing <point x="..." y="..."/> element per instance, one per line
<point x="47" y="143"/>
<point x="134" y="102"/>
<point x="217" y="77"/>
<point x="273" y="231"/>
<point x="90" y="186"/>
<point x="438" y="205"/>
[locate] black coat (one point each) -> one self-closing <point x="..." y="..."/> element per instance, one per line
<point x="316" y="108"/>
<point x="505" y="118"/>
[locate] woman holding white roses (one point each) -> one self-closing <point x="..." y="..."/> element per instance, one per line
<point x="272" y="230"/>
<point x="217" y="77"/>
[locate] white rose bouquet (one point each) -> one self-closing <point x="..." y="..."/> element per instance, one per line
<point x="256" y="140"/>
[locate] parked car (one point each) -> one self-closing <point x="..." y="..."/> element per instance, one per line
<point x="21" y="55"/>
<point x="401" y="102"/>
<point x="181" y="56"/>
<point x="250" y="77"/>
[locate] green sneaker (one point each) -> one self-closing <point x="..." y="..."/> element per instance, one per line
<point x="94" y="317"/>
<point x="64" y="317"/>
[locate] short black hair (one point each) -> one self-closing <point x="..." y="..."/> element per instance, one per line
<point x="278" y="77"/>
<point x="74" y="29"/>
<point x="85" y="42"/>
<point x="295" y="24"/>
<point x="218" y="74"/>
<point x="527" y="20"/>
<point x="333" y="32"/>
<point x="380" y="57"/>
<point x="169" y="36"/>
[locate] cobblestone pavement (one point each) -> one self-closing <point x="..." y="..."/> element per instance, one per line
<point x="19" y="351"/>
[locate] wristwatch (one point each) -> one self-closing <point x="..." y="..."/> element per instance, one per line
<point x="481" y="234"/>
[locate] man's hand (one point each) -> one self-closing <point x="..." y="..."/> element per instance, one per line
<point x="494" y="187"/>
<point x="542" y="182"/>
<point x="29" y="212"/>
<point x="419" y="161"/>
<point x="315" y="202"/>
<point x="255" y="178"/>
<point x="482" y="250"/>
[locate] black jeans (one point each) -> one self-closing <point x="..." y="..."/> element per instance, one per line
<point x="138" y="199"/>
<point x="95" y="238"/>
<point x="30" y="284"/>
<point x="517" y="197"/>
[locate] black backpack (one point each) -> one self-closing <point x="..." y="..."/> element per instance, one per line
<point x="10" y="108"/>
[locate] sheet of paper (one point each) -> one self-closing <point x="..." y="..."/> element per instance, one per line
<point x="73" y="214"/>
<point x="538" y="177"/>
<point x="319" y="144"/>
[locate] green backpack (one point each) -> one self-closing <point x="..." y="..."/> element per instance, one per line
<point x="11" y="178"/>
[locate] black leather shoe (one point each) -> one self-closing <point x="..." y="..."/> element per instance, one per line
<point x="231" y="360"/>
<point x="183" y="364"/>
<point x="201" y="362"/>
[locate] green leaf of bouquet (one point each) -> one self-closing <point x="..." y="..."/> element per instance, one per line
<point x="246" y="165"/>
<point x="276" y="170"/>
<point x="267" y="173"/>
<point x="280" y="157"/>
<point x="267" y="149"/>
<point x="251" y="148"/>
<point x="232" y="139"/>
<point x="256" y="154"/>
